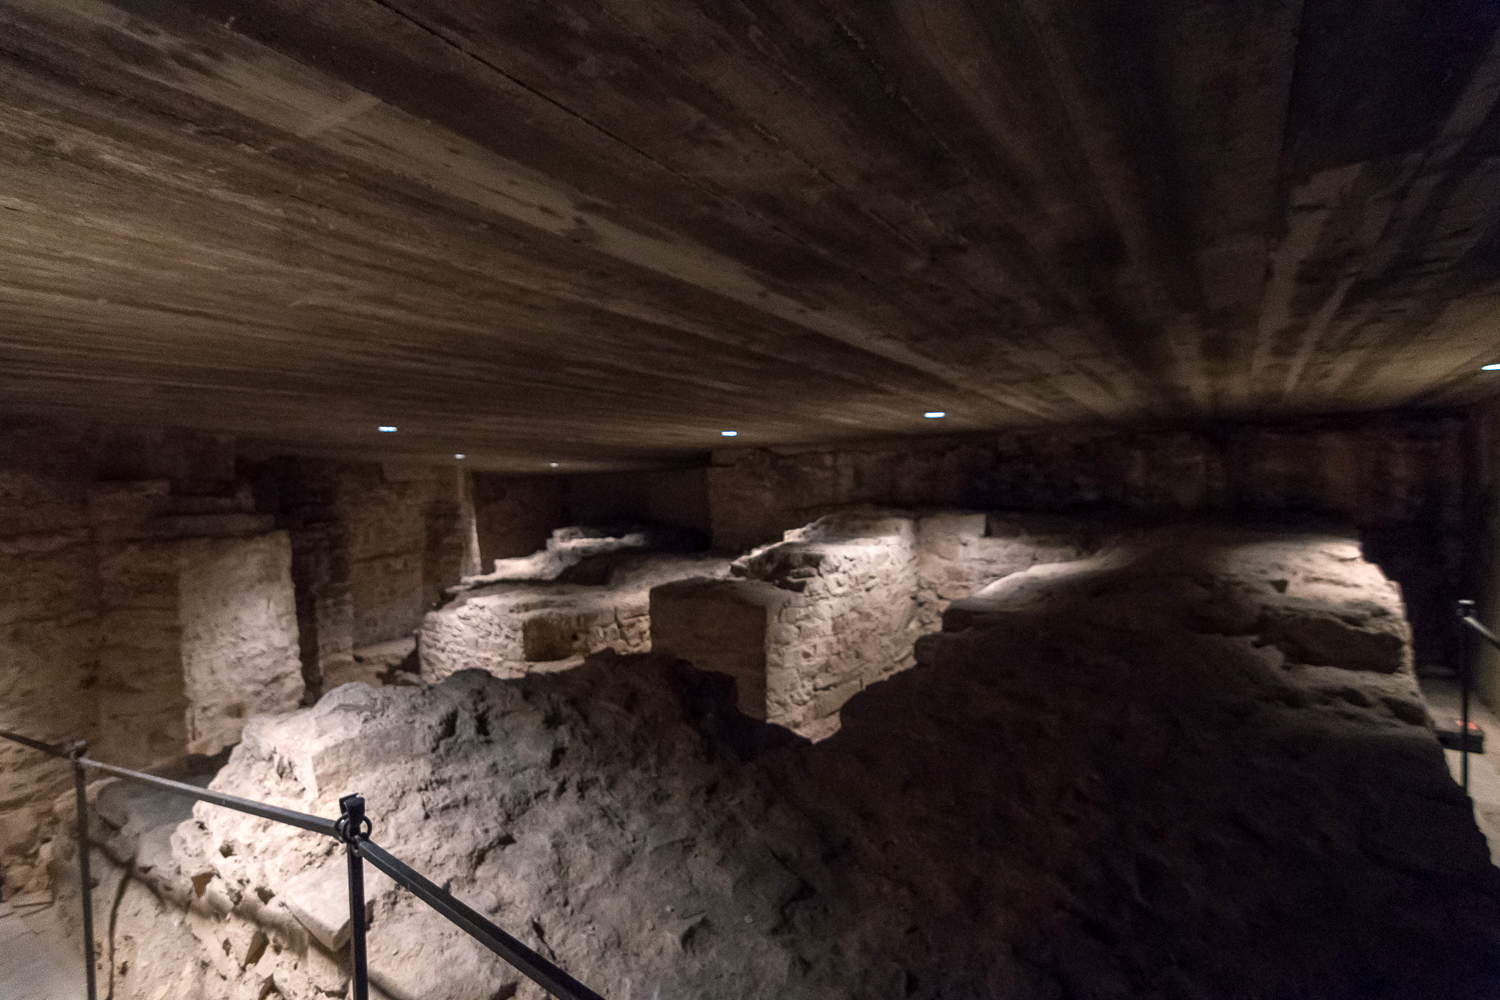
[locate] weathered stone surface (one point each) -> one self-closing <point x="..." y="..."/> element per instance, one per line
<point x="49" y="648"/>
<point x="1313" y="599"/>
<point x="110" y="610"/>
<point x="239" y="636"/>
<point x="857" y="587"/>
<point x="1399" y="480"/>
<point x="1100" y="792"/>
<point x="319" y="899"/>
<point x="724" y="626"/>
<point x="565" y="547"/>
<point x="510" y="629"/>
<point x="850" y="618"/>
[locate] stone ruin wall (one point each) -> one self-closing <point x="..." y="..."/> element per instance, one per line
<point x="808" y="622"/>
<point x="1400" y="479"/>
<point x="49" y="647"/>
<point x="157" y="593"/>
<point x="512" y="628"/>
<point x="515" y="630"/>
<point x="802" y="625"/>
<point x="115" y="620"/>
<point x="849" y="619"/>
<point x="374" y="548"/>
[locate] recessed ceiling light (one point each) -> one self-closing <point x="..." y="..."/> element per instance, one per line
<point x="730" y="434"/>
<point x="554" y="465"/>
<point x="386" y="429"/>
<point x="458" y="456"/>
<point x="934" y="414"/>
<point x="1490" y="368"/>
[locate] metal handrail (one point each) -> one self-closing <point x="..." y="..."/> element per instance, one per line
<point x="353" y="829"/>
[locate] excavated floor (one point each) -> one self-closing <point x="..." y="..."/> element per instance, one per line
<point x="36" y="962"/>
<point x="1197" y="766"/>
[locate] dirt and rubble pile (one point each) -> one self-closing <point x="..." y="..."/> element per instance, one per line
<point x="1196" y="765"/>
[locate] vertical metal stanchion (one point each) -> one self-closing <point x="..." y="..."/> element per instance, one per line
<point x="1463" y="681"/>
<point x="353" y="827"/>
<point x="81" y="794"/>
<point x="1465" y="612"/>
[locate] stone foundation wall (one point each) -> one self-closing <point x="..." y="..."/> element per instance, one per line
<point x="385" y="529"/>
<point x="49" y="648"/>
<point x="850" y="619"/>
<point x="514" y="628"/>
<point x="659" y="496"/>
<point x="374" y="547"/>
<point x="127" y="608"/>
<point x="725" y="626"/>
<point x="807" y="623"/>
<point x="238" y="628"/>
<point x="140" y="694"/>
<point x="1400" y="479"/>
<point x="516" y="514"/>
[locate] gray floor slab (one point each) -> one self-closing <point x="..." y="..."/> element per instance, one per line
<point x="37" y="962"/>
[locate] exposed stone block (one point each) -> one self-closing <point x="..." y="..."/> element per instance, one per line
<point x="724" y="626"/>
<point x="239" y="636"/>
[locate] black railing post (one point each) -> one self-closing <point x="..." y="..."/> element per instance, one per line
<point x="354" y="827"/>
<point x="80" y="793"/>
<point x="1466" y="615"/>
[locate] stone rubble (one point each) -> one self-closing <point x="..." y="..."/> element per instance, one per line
<point x="1191" y="765"/>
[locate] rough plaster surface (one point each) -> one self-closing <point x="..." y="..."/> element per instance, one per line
<point x="1115" y="783"/>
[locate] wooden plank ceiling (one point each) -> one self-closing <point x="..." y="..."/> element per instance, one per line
<point x="602" y="231"/>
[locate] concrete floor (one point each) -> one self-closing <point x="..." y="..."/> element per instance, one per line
<point x="37" y="960"/>
<point x="1443" y="698"/>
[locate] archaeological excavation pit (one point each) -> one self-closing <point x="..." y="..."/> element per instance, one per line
<point x="913" y="500"/>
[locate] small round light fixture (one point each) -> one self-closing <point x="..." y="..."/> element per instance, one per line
<point x="458" y="456"/>
<point x="934" y="414"/>
<point x="730" y="434"/>
<point x="386" y="429"/>
<point x="554" y="465"/>
<point x="1489" y="368"/>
